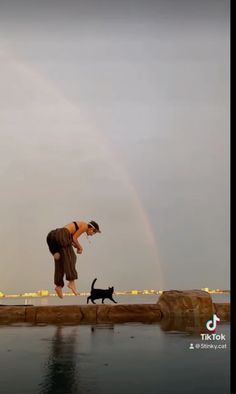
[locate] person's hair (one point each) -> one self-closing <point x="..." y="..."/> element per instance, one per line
<point x="94" y="225"/>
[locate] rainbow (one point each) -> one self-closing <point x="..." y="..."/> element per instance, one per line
<point x="51" y="94"/>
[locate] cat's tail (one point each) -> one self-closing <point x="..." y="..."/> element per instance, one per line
<point x="93" y="283"/>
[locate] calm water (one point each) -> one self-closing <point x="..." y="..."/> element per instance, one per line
<point x="112" y="359"/>
<point x="122" y="359"/>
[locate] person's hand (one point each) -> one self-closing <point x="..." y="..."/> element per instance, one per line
<point x="79" y="251"/>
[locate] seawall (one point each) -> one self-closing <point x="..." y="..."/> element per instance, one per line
<point x="192" y="305"/>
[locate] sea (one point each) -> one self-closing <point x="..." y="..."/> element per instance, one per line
<point x="131" y="358"/>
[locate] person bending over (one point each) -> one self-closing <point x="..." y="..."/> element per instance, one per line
<point x="60" y="243"/>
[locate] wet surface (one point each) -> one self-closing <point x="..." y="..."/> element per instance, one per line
<point x="121" y="358"/>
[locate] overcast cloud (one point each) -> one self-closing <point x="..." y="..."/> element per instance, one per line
<point x="116" y="111"/>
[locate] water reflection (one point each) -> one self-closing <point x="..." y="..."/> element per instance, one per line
<point x="99" y="326"/>
<point x="101" y="333"/>
<point x="61" y="369"/>
<point x="192" y="325"/>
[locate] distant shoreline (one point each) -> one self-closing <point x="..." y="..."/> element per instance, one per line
<point x="85" y="294"/>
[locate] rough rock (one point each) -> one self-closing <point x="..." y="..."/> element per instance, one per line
<point x="186" y="302"/>
<point x="223" y="311"/>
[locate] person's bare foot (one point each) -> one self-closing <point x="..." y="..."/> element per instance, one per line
<point x="72" y="286"/>
<point x="58" y="290"/>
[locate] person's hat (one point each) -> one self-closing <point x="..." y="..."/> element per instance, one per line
<point x="95" y="226"/>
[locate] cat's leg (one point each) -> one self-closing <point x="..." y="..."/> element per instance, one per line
<point x="112" y="299"/>
<point x="88" y="298"/>
<point x="93" y="301"/>
<point x="103" y="300"/>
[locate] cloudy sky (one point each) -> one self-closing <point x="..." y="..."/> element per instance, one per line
<point x="116" y="111"/>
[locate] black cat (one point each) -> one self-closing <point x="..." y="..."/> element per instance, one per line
<point x="100" y="293"/>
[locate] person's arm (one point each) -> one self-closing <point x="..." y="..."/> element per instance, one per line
<point x="76" y="235"/>
<point x="77" y="245"/>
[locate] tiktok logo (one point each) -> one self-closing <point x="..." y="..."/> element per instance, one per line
<point x="212" y="324"/>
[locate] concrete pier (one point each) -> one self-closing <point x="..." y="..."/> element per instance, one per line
<point x="193" y="306"/>
<point x="80" y="314"/>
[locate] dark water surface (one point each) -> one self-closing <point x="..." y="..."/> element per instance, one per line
<point x="119" y="359"/>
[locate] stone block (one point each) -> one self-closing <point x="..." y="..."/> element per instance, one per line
<point x="89" y="314"/>
<point x="223" y="311"/>
<point x="122" y="313"/>
<point x="30" y="314"/>
<point x="185" y="302"/>
<point x="12" y="314"/>
<point x="67" y="314"/>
